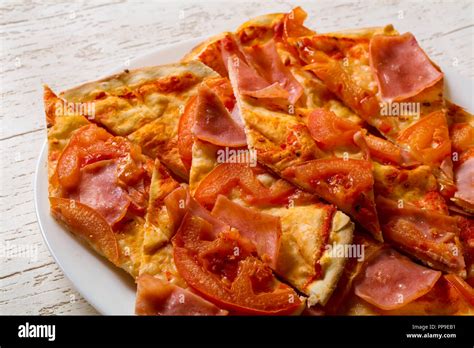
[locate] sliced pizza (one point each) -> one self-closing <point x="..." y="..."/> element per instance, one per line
<point x="216" y="182"/>
<point x="144" y="105"/>
<point x="385" y="282"/>
<point x="419" y="139"/>
<point x="98" y="184"/>
<point x="228" y="181"/>
<point x="273" y="92"/>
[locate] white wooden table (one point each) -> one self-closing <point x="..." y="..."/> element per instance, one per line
<point x="65" y="44"/>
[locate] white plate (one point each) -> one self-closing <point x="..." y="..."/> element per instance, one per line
<point x="110" y="290"/>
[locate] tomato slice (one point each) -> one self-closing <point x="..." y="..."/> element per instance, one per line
<point x="70" y="161"/>
<point x="185" y="135"/>
<point x="345" y="183"/>
<point x="330" y="130"/>
<point x="463" y="287"/>
<point x="227" y="272"/>
<point x="383" y="150"/>
<point x="427" y="235"/>
<point x="227" y="176"/>
<point x="428" y="138"/>
<point x="87" y="224"/>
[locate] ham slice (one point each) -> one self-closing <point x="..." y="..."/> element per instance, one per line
<point x="391" y="280"/>
<point x="262" y="229"/>
<point x="465" y="182"/>
<point x="156" y="297"/>
<point x="175" y="203"/>
<point x="98" y="189"/>
<point x="229" y="48"/>
<point x="247" y="81"/>
<point x="400" y="66"/>
<point x="214" y="123"/>
<point x="179" y="202"/>
<point x="267" y="62"/>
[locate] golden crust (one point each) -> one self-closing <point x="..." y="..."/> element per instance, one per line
<point x="157" y="250"/>
<point x="332" y="265"/>
<point x="145" y="105"/>
<point x="60" y="128"/>
<point x="364" y="33"/>
<point x="198" y="50"/>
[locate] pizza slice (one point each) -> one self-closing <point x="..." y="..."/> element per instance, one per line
<point x="228" y="181"/>
<point x="409" y="190"/>
<point x="144" y="105"/>
<point x="98" y="184"/>
<point x="360" y="67"/>
<point x="164" y="277"/>
<point x="273" y="93"/>
<point x="462" y="137"/>
<point x="417" y="174"/>
<point x="401" y="185"/>
<point x="107" y="193"/>
<point x="284" y="144"/>
<point x="385" y="282"/>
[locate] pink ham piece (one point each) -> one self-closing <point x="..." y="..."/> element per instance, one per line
<point x="99" y="190"/>
<point x="465" y="182"/>
<point x="400" y="66"/>
<point x="179" y="202"/>
<point x="262" y="229"/>
<point x="391" y="280"/>
<point x="229" y="47"/>
<point x="247" y="81"/>
<point x="267" y="62"/>
<point x="156" y="297"/>
<point x="214" y="123"/>
<point x="175" y="203"/>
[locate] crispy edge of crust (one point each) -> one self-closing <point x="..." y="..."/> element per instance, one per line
<point x="126" y="77"/>
<point x="341" y="234"/>
<point x="266" y="20"/>
<point x="201" y="47"/>
<point x="263" y="20"/>
<point x="361" y="33"/>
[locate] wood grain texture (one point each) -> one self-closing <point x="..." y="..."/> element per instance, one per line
<point x="65" y="44"/>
